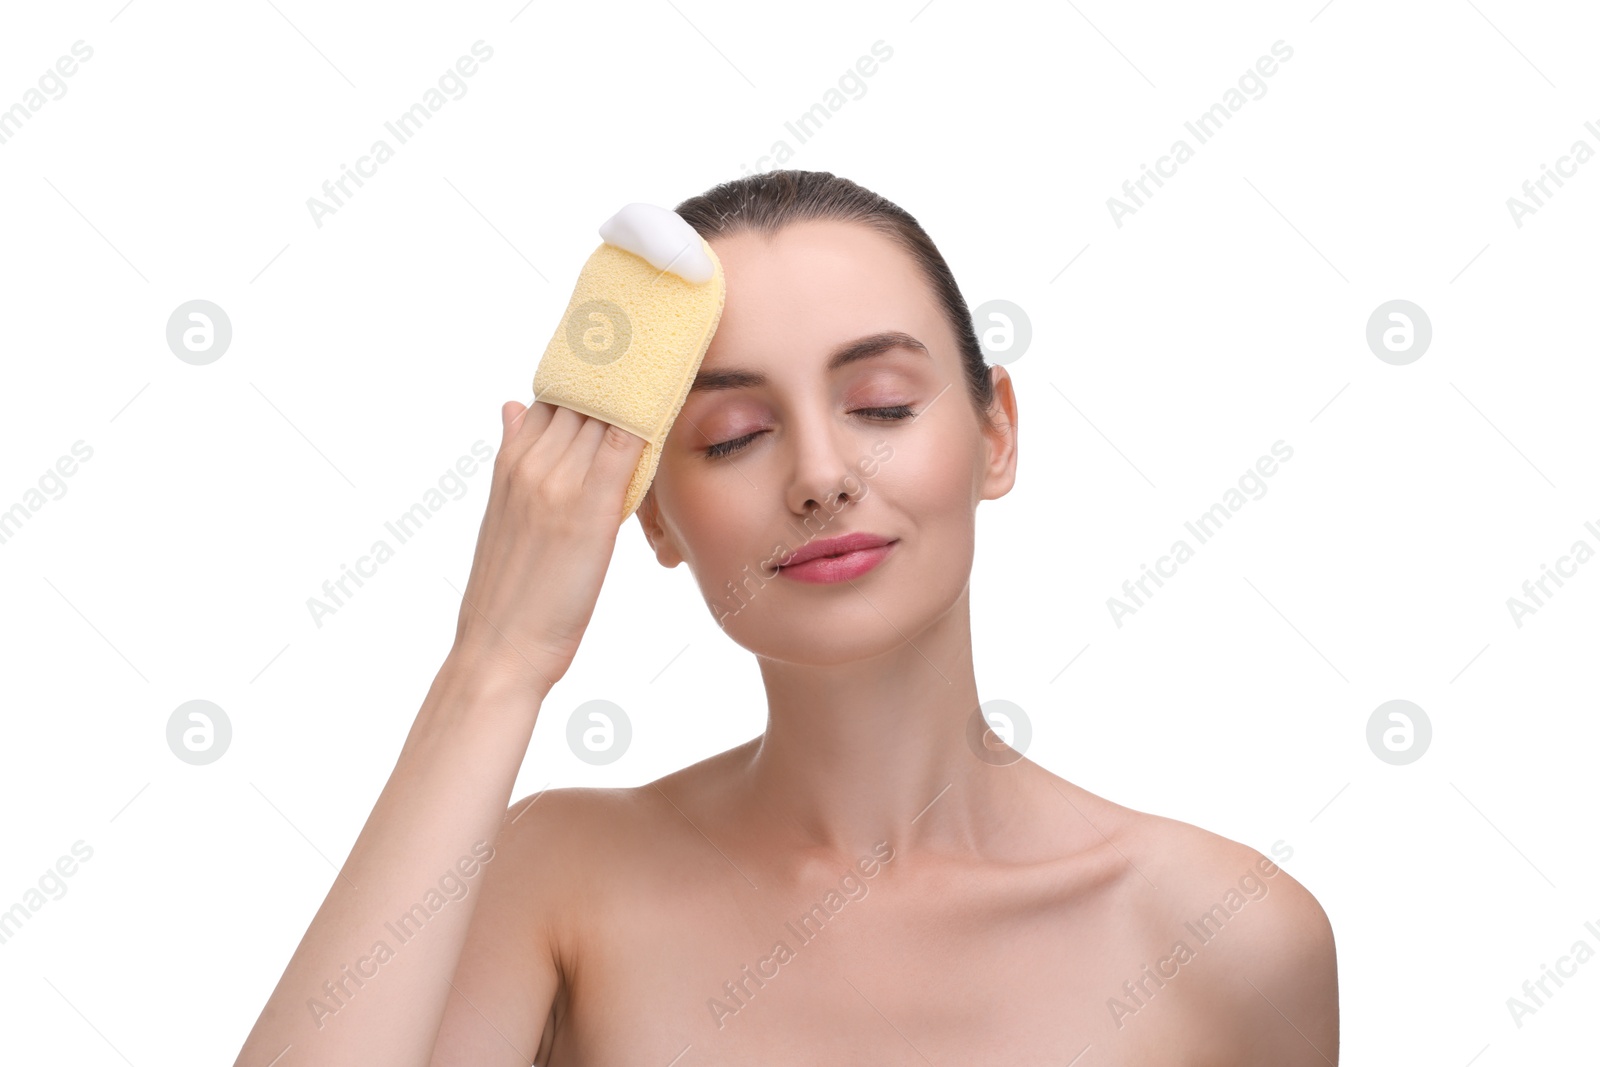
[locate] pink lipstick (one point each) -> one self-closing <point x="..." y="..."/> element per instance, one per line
<point x="837" y="559"/>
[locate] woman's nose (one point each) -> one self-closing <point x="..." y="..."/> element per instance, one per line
<point x="824" y="465"/>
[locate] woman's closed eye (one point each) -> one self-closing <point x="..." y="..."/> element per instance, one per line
<point x="890" y="414"/>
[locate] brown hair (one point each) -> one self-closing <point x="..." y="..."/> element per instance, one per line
<point x="766" y="202"/>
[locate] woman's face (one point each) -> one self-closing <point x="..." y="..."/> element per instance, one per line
<point x="772" y="435"/>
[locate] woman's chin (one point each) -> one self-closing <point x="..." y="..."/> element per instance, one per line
<point x="829" y="639"/>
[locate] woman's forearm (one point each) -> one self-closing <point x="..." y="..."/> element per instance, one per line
<point x="369" y="980"/>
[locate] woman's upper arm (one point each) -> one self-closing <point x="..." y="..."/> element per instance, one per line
<point x="508" y="976"/>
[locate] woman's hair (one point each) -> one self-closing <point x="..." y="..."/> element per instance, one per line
<point x="765" y="203"/>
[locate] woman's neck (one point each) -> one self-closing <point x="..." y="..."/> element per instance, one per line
<point x="880" y="749"/>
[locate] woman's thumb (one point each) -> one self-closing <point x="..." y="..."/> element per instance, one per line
<point x="510" y="412"/>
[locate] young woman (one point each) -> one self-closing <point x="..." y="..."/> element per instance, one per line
<point x="875" y="878"/>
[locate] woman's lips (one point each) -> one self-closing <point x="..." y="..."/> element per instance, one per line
<point x="827" y="569"/>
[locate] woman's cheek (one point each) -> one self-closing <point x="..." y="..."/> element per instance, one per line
<point x="919" y="471"/>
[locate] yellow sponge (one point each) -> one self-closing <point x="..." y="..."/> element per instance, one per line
<point x="633" y="337"/>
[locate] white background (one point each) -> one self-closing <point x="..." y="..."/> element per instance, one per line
<point x="1228" y="313"/>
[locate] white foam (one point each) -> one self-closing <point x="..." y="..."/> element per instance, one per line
<point x="661" y="238"/>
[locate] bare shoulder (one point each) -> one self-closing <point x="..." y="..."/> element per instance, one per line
<point x="560" y="837"/>
<point x="1258" y="943"/>
<point x="545" y="859"/>
<point x="603" y="831"/>
<point x="567" y="815"/>
<point x="1184" y="865"/>
<point x="576" y="859"/>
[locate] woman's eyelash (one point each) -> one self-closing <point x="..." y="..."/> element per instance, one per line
<point x="899" y="411"/>
<point x="890" y="414"/>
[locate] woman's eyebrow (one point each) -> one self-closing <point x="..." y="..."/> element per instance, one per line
<point x="851" y="351"/>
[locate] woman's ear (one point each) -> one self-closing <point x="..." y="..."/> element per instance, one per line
<point x="1000" y="471"/>
<point x="655" y="531"/>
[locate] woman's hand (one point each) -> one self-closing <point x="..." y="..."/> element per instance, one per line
<point x="546" y="540"/>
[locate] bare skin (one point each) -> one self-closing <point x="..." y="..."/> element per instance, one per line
<point x="1015" y="904"/>
<point x="871" y="880"/>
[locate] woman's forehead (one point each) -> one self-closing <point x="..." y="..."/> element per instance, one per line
<point x="808" y="287"/>
<point x="814" y="257"/>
